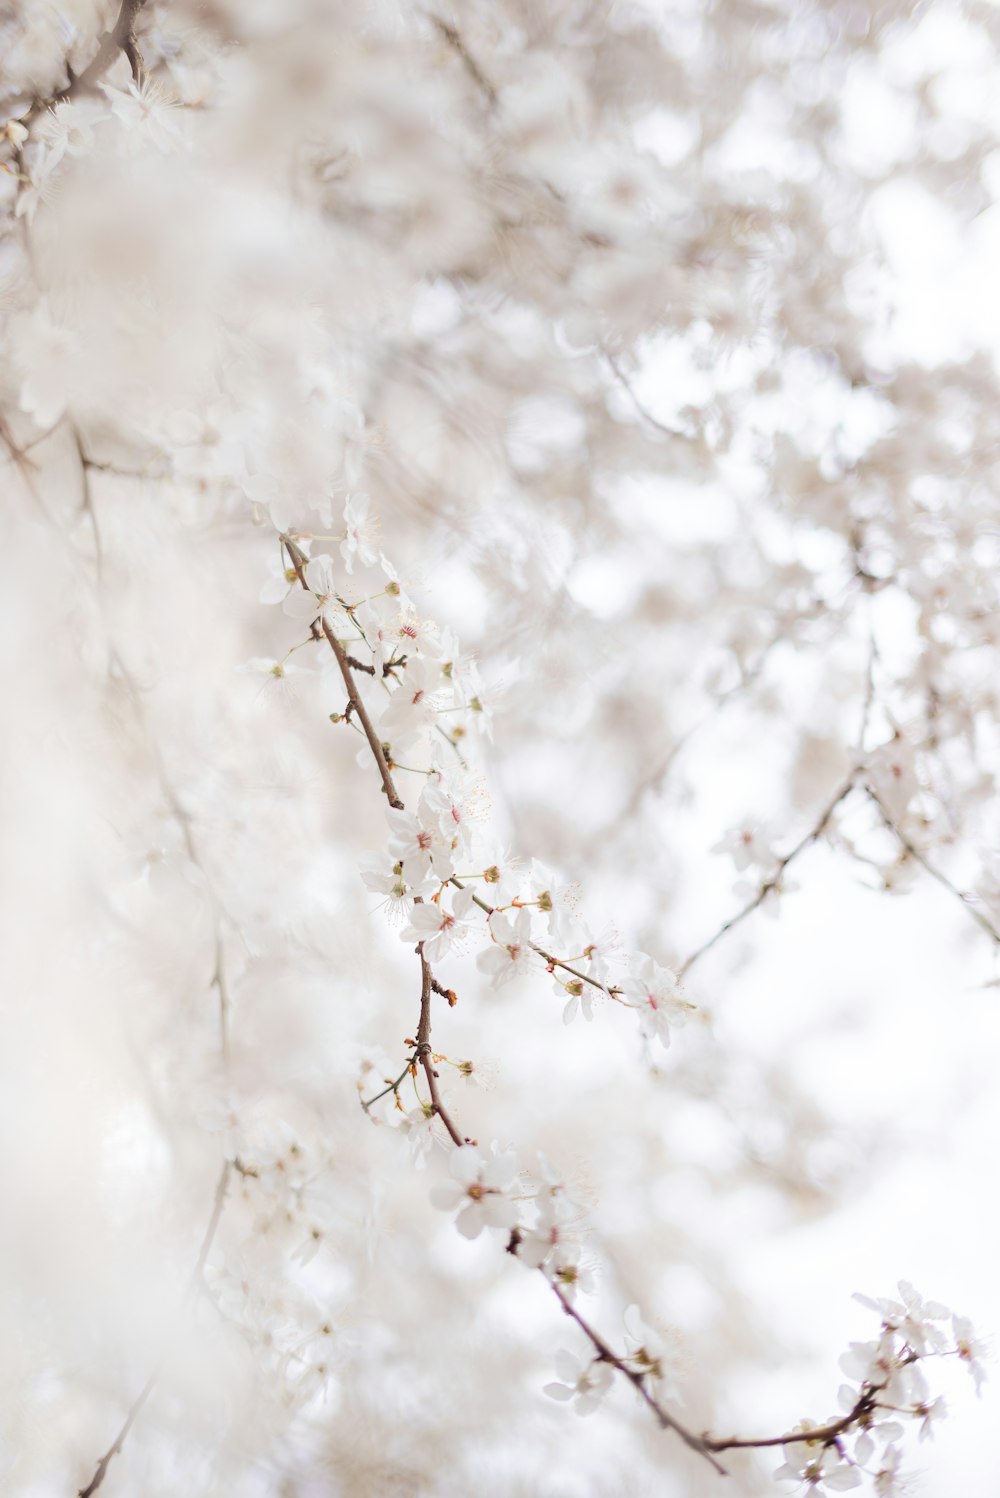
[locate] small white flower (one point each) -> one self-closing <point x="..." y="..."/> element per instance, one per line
<point x="414" y="703"/>
<point x="479" y="1189"/>
<point x="399" y="893"/>
<point x="147" y="113"/>
<point x="887" y="1477"/>
<point x="418" y="847"/>
<point x="281" y="580"/>
<point x="438" y="928"/>
<point x="911" y="1317"/>
<point x="580" y="1001"/>
<point x="970" y="1349"/>
<point x="746" y="845"/>
<point x="361" y="533"/>
<point x="511" y="954"/>
<point x="318" y="600"/>
<point x="557" y="902"/>
<point x="585" y="1383"/>
<point x="817" y="1465"/>
<point x="654" y="993"/>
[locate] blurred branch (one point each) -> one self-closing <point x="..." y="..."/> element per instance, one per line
<point x="456" y="42"/>
<point x="135" y="1408"/>
<point x="773" y="882"/>
<point x="120" y="39"/>
<point x="965" y="899"/>
<point x="183" y="819"/>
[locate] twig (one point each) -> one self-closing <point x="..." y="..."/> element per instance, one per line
<point x="135" y="1408"/>
<point x="181" y="817"/>
<point x="964" y="899"/>
<point x="703" y="1445"/>
<point x="456" y="42"/>
<point x="774" y="880"/>
<point x="423" y="1051"/>
<point x="298" y="559"/>
<point x="646" y="414"/>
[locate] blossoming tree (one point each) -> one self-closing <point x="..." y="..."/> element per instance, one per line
<point x="467" y="484"/>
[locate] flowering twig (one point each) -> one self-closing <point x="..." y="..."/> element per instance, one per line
<point x="298" y="560"/>
<point x="701" y="1444"/>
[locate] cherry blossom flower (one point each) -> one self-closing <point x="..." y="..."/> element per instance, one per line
<point x="68" y="129"/>
<point x="281" y="580"/>
<point x="147" y="113"/>
<point x="654" y="992"/>
<point x="887" y="1483"/>
<point x="510" y="955"/>
<point x="911" y="1317"/>
<point x="458" y="805"/>
<point x="418" y="847"/>
<point x="399" y="893"/>
<point x="646" y="1348"/>
<point x="819" y="1466"/>
<point x="40" y="189"/>
<point x="413" y="706"/>
<point x="319" y="599"/>
<point x="971" y="1349"/>
<point x="362" y="532"/>
<point x="440" y="929"/>
<point x="479" y="1190"/>
<point x="929" y="1414"/>
<point x="585" y="1383"/>
<point x="878" y="1363"/>
<point x="557" y="903"/>
<point x="746" y="845"/>
<point x="580" y="1001"/>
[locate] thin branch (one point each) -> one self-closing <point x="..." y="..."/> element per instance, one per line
<point x="773" y="881"/>
<point x="547" y="957"/>
<point x="964" y="899"/>
<point x="423" y="1051"/>
<point x="646" y="414"/>
<point x="299" y="559"/>
<point x="456" y="42"/>
<point x="120" y="39"/>
<point x="702" y="1445"/>
<point x="135" y="1408"/>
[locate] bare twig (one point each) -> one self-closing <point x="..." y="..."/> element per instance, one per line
<point x="135" y="1408"/>
<point x="456" y="42"/>
<point x="423" y="1051"/>
<point x="964" y="899"/>
<point x="773" y="881"/>
<point x="181" y="816"/>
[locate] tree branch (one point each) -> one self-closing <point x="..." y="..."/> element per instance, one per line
<point x="135" y="1408"/>
<point x="774" y="880"/>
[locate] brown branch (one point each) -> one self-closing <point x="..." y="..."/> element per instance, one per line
<point x="121" y="38"/>
<point x="456" y="42"/>
<point x="705" y="1445"/>
<point x="298" y="559"/>
<point x="423" y="1051"/>
<point x="135" y="1408"/>
<point x="637" y="1379"/>
<point x="773" y="881"/>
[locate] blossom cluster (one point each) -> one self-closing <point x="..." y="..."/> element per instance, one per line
<point x="443" y="876"/>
